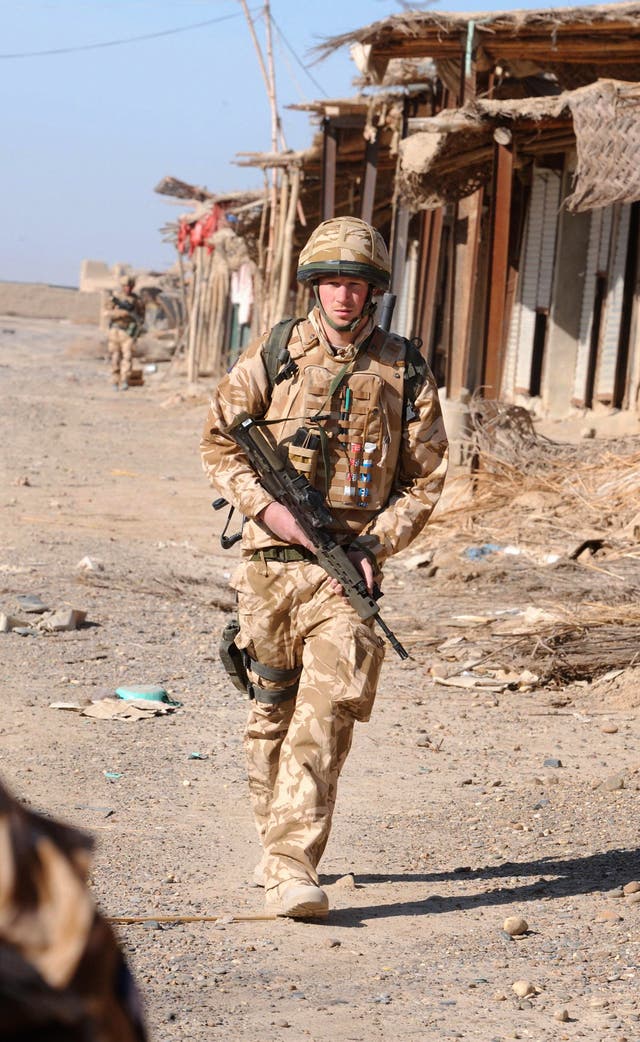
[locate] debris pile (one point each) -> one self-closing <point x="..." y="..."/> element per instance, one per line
<point x="555" y="529"/>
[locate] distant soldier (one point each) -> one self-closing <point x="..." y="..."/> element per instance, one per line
<point x="126" y="319"/>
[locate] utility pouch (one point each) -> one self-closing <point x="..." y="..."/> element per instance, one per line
<point x="233" y="658"/>
<point x="303" y="453"/>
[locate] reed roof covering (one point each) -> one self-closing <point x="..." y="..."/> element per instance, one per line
<point x="578" y="44"/>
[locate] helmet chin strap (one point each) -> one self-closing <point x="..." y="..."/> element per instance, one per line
<point x="368" y="309"/>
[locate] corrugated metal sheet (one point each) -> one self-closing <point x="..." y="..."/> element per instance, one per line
<point x="612" y="318"/>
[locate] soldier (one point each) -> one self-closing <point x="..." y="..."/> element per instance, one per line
<point x="377" y="449"/>
<point x="126" y="319"/>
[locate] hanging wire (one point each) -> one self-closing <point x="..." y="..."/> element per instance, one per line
<point x="286" y="43"/>
<point x="119" y="42"/>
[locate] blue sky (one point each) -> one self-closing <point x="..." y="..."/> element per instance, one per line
<point x="87" y="134"/>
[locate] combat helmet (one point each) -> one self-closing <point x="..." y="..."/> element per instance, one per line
<point x="345" y="246"/>
<point x="126" y="280"/>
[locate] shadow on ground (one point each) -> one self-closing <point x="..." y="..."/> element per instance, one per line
<point x="596" y="872"/>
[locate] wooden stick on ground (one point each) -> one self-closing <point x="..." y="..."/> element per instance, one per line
<point x="129" y="920"/>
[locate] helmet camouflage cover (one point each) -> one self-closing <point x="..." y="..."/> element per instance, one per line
<point x="345" y="246"/>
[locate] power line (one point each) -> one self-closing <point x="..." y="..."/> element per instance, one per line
<point x="302" y="66"/>
<point x="118" y="43"/>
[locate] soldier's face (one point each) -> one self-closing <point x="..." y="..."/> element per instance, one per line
<point x="342" y="298"/>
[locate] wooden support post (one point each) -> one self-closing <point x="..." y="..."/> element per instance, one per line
<point x="285" y="271"/>
<point x="329" y="159"/>
<point x="399" y="248"/>
<point x="448" y="294"/>
<point x="426" y="221"/>
<point x="466" y="238"/>
<point x="432" y="238"/>
<point x="370" y="176"/>
<point x="500" y="220"/>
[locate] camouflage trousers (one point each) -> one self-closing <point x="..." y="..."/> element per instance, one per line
<point x="121" y="352"/>
<point x="295" y="750"/>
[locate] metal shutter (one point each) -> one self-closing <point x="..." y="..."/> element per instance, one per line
<point x="597" y="263"/>
<point x="610" y="335"/>
<point x="537" y="270"/>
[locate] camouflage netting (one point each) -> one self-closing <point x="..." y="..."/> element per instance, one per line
<point x="606" y="120"/>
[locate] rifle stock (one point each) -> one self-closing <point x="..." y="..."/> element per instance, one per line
<point x="308" y="507"/>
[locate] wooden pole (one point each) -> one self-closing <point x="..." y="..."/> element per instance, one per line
<point x="192" y="364"/>
<point x="283" y="209"/>
<point x="285" y="273"/>
<point x="270" y="84"/>
<point x="501" y="208"/>
<point x="432" y="229"/>
<point x="183" y="298"/>
<point x="370" y="175"/>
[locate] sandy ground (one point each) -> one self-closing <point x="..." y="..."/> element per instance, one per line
<point x="448" y="821"/>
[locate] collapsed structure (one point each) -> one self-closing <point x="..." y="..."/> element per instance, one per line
<point x="497" y="153"/>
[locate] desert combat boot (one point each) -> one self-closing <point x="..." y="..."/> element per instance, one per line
<point x="297" y="900"/>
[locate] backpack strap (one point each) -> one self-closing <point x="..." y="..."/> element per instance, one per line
<point x="415" y="373"/>
<point x="274" y="350"/>
<point x="276" y="358"/>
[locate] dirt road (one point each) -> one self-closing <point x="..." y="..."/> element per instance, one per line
<point x="459" y="807"/>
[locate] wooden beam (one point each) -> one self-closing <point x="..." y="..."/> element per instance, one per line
<point x="329" y="159"/>
<point x="370" y="176"/>
<point x="500" y="221"/>
<point x="605" y="42"/>
<point x="601" y="50"/>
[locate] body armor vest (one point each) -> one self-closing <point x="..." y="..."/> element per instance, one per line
<point x="341" y="422"/>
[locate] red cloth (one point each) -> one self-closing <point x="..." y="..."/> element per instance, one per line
<point x="193" y="234"/>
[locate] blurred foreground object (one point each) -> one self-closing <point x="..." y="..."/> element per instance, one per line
<point x="63" y="977"/>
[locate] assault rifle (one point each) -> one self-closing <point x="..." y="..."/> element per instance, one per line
<point x="308" y="507"/>
<point x="126" y="305"/>
<point x="135" y="325"/>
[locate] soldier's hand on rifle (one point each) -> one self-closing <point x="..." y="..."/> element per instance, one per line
<point x="283" y="524"/>
<point x="363" y="563"/>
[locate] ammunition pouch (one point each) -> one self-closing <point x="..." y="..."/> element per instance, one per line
<point x="237" y="663"/>
<point x="233" y="659"/>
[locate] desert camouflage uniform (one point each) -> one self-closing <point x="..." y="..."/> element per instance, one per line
<point x="124" y="329"/>
<point x="289" y="617"/>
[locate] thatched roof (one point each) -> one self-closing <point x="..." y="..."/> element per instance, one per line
<point x="230" y="201"/>
<point x="450" y="155"/>
<point x="578" y="44"/>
